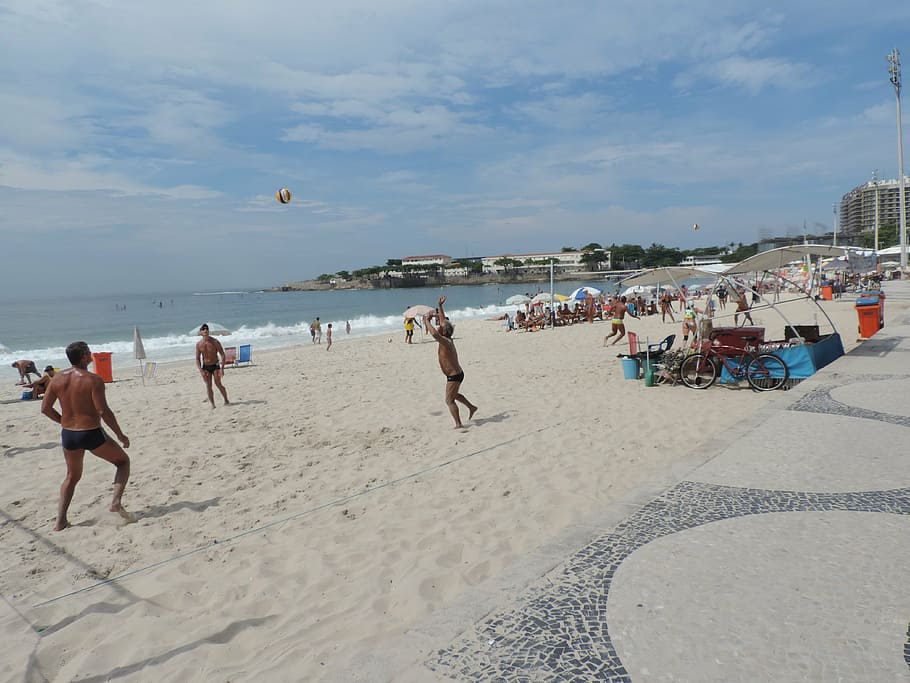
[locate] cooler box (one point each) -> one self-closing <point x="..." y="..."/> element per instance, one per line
<point x="102" y="363"/>
<point x="737" y="337"/>
<point x="630" y="368"/>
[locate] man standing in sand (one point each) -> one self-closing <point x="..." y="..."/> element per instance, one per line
<point x="208" y="349"/>
<point x="448" y="362"/>
<point x="328" y="337"/>
<point x="26" y="368"/>
<point x="84" y="406"/>
<point x="619" y="327"/>
<point x="409" y="330"/>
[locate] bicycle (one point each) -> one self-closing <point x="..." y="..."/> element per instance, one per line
<point x="764" y="372"/>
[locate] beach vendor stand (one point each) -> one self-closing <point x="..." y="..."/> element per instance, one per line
<point x="801" y="347"/>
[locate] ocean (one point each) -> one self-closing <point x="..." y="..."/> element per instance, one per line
<point x="39" y="329"/>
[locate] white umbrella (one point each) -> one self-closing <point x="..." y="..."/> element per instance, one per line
<point x="542" y="298"/>
<point x="517" y="299"/>
<point x="638" y="289"/>
<point x="138" y="351"/>
<point x="581" y="292"/>
<point x="214" y="329"/>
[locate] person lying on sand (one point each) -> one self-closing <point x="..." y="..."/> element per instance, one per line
<point x="84" y="406"/>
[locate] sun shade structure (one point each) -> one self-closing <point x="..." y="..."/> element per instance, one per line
<point x="214" y="329"/>
<point x="777" y="259"/>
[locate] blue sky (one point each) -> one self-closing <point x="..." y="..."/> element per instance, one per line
<point x="141" y="144"/>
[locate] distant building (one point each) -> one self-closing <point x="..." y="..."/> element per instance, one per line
<point x="696" y="261"/>
<point x="428" y="260"/>
<point x="857" y="207"/>
<point x="563" y="260"/>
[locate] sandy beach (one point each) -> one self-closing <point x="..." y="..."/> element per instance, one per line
<point x="332" y="505"/>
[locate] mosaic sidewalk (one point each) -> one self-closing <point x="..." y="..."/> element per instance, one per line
<point x="783" y="558"/>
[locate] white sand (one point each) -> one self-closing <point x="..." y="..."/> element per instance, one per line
<point x="346" y="507"/>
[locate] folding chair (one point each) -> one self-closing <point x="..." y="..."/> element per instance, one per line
<point x="230" y="356"/>
<point x="149" y="370"/>
<point x="245" y="354"/>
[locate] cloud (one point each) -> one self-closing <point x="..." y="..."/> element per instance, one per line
<point x="751" y="75"/>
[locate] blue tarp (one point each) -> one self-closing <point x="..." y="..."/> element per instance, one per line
<point x="804" y="360"/>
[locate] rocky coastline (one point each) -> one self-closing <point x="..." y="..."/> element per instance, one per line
<point x="426" y="281"/>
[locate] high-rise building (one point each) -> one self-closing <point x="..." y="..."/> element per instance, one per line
<point x="857" y="207"/>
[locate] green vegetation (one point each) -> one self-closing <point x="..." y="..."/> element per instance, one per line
<point x="623" y="256"/>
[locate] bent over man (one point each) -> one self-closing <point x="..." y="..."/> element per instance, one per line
<point x="83" y="406"/>
<point x="448" y="363"/>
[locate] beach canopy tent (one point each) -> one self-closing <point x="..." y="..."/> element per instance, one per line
<point x="775" y="260"/>
<point x="675" y="274"/>
<point x="635" y="290"/>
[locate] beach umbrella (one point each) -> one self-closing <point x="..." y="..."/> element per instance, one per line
<point x="517" y="299"/>
<point x="581" y="292"/>
<point x="138" y="351"/>
<point x="638" y="289"/>
<point x="418" y="311"/>
<point x="214" y="329"/>
<point x="544" y="298"/>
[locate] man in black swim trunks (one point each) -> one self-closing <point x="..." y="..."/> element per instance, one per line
<point x="26" y="368"/>
<point x="448" y="361"/>
<point x="84" y="406"/>
<point x="208" y="350"/>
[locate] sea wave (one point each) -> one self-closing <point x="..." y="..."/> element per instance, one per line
<point x="180" y="346"/>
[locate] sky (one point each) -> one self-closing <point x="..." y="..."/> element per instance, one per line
<point x="142" y="143"/>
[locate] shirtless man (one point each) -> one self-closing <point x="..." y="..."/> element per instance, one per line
<point x="448" y="362"/>
<point x="39" y="386"/>
<point x="208" y="349"/>
<point x="26" y="368"/>
<point x="619" y="327"/>
<point x="84" y="406"/>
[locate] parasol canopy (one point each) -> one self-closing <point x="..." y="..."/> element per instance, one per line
<point x="418" y="311"/>
<point x="517" y="299"/>
<point x="214" y="329"/>
<point x="581" y="292"/>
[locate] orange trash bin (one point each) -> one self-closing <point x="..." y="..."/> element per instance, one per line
<point x="869" y="313"/>
<point x="102" y="362"/>
<point x="827" y="292"/>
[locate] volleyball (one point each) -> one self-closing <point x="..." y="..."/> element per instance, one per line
<point x="284" y="195"/>
<point x="695" y="227"/>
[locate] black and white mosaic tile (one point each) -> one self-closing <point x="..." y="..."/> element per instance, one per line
<point x="559" y="632"/>
<point x="820" y="401"/>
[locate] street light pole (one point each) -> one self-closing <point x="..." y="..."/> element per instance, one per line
<point x="894" y="69"/>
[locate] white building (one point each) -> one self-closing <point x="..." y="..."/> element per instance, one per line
<point x="696" y="261"/>
<point x="428" y="260"/>
<point x="562" y="260"/>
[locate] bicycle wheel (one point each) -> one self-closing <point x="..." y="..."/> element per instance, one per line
<point x="697" y="371"/>
<point x="767" y="372"/>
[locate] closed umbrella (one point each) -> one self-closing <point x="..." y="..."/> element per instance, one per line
<point x="138" y="351"/>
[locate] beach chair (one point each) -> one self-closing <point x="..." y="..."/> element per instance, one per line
<point x="245" y="354"/>
<point x="230" y="356"/>
<point x="149" y="370"/>
<point x="655" y="351"/>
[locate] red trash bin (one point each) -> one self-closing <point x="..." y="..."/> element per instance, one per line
<point x="102" y="362"/>
<point x="827" y="292"/>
